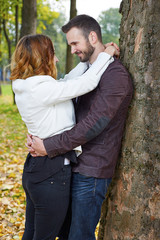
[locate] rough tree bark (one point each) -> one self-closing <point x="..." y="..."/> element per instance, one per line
<point x="69" y="56"/>
<point x="132" y="208"/>
<point x="29" y="17"/>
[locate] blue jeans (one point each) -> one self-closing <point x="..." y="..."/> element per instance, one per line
<point x="88" y="194"/>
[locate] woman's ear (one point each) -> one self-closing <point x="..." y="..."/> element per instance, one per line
<point x="93" y="37"/>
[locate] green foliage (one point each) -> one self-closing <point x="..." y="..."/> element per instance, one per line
<point x="45" y="15"/>
<point x="7" y="13"/>
<point x="7" y="6"/>
<point x="109" y="21"/>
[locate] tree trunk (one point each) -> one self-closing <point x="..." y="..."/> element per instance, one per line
<point x="69" y="57"/>
<point x="16" y="23"/>
<point x="8" y="40"/>
<point x="132" y="208"/>
<point x="16" y="39"/>
<point x="29" y="17"/>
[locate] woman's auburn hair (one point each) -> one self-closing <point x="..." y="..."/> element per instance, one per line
<point x="34" y="55"/>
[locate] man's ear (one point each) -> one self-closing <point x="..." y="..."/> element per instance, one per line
<point x="93" y="37"/>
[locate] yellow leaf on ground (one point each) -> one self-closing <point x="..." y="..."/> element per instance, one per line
<point x="12" y="175"/>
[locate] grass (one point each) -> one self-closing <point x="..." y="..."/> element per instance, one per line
<point x="12" y="127"/>
<point x="6" y="89"/>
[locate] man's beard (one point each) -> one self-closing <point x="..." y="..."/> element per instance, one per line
<point x="87" y="54"/>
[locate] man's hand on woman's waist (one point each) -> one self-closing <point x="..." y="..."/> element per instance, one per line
<point x="35" y="146"/>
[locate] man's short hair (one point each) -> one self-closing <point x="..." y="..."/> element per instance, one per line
<point x="86" y="24"/>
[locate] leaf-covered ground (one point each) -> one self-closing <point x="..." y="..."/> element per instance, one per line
<point x="12" y="156"/>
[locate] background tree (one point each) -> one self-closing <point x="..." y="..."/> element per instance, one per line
<point x="16" y="22"/>
<point x="29" y="17"/>
<point x="8" y="24"/>
<point x="110" y="22"/>
<point x="8" y="14"/>
<point x="132" y="208"/>
<point x="69" y="59"/>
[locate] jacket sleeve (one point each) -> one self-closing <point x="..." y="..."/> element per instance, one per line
<point x="112" y="90"/>
<point x="53" y="92"/>
<point x="75" y="72"/>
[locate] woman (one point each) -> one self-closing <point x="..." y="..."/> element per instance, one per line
<point x="46" y="108"/>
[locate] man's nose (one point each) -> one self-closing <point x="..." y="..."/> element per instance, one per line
<point x="73" y="49"/>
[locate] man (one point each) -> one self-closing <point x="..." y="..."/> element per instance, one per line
<point x="101" y="116"/>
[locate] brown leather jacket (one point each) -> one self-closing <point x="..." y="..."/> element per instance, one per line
<point x="101" y="116"/>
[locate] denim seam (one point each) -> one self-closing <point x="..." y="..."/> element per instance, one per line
<point x="95" y="185"/>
